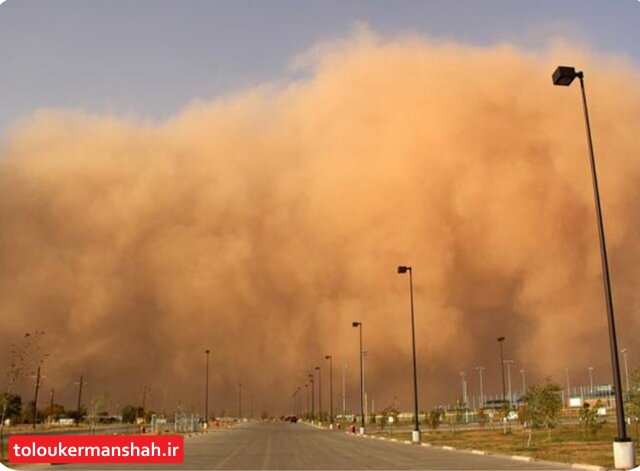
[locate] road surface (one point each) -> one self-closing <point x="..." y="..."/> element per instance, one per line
<point x="283" y="445"/>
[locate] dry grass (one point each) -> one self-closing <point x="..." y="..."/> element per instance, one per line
<point x="568" y="443"/>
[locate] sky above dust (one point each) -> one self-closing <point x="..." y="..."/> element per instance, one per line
<point x="253" y="194"/>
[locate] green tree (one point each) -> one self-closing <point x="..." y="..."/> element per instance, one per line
<point x="130" y="413"/>
<point x="78" y="415"/>
<point x="589" y="419"/>
<point x="54" y="412"/>
<point x="541" y="408"/>
<point x="434" y="418"/>
<point x="483" y="418"/>
<point x="632" y="400"/>
<point x="27" y="413"/>
<point x="25" y="353"/>
<point x="389" y="411"/>
<point x="460" y="411"/>
<point x="11" y="404"/>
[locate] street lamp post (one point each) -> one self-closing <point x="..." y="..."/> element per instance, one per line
<point x="626" y="366"/>
<point x="623" y="453"/>
<point x="319" y="393"/>
<point x="590" y="379"/>
<point x="463" y="376"/>
<point x="508" y="363"/>
<point x="80" y="384"/>
<point x="344" y="390"/>
<point x="330" y="358"/>
<point x="50" y="418"/>
<point x="416" y="427"/>
<point x="307" y="394"/>
<point x="35" y="399"/>
<point x="240" y="401"/>
<point x="206" y="392"/>
<point x="480" y="370"/>
<point x="505" y="420"/>
<point x="313" y="401"/>
<point x="566" y="370"/>
<point x="359" y="326"/>
<point x="504" y="391"/>
<point x="464" y="396"/>
<point x="524" y="383"/>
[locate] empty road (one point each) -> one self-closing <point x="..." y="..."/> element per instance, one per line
<point x="282" y="445"/>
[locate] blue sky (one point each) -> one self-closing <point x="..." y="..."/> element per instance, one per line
<point x="149" y="58"/>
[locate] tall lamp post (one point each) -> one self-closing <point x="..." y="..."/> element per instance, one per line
<point x="415" y="435"/>
<point x="626" y="366"/>
<point x="344" y="390"/>
<point x="307" y="411"/>
<point x="568" y="387"/>
<point x="505" y="421"/>
<point x="623" y="453"/>
<point x="590" y="379"/>
<point x="463" y="377"/>
<point x="508" y="363"/>
<point x="35" y="399"/>
<point x="330" y="358"/>
<point x="504" y="391"/>
<point x="206" y="392"/>
<point x="359" y="325"/>
<point x="313" y="402"/>
<point x="80" y="384"/>
<point x="480" y="370"/>
<point x="239" y="401"/>
<point x="319" y="393"/>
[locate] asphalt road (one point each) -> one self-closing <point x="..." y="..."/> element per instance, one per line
<point x="281" y="445"/>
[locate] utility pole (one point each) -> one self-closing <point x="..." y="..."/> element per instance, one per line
<point x="344" y="394"/>
<point x="480" y="369"/>
<point x="51" y="404"/>
<point x="80" y="384"/>
<point x="35" y="399"/>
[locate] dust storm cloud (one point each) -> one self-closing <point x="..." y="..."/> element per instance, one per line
<point x="261" y="224"/>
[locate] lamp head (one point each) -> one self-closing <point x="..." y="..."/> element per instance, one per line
<point x="327" y="357"/>
<point x="500" y="339"/>
<point x="403" y="269"/>
<point x="356" y="323"/>
<point x="564" y="75"/>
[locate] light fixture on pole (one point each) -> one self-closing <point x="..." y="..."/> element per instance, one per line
<point x="80" y="384"/>
<point x="590" y="379"/>
<point x="504" y="391"/>
<point x="35" y="400"/>
<point x="626" y="366"/>
<point x="313" y="401"/>
<point x="505" y="405"/>
<point x="415" y="435"/>
<point x="319" y="393"/>
<point x="463" y="376"/>
<point x="508" y="363"/>
<point x="206" y="392"/>
<point x="568" y="387"/>
<point x="344" y="390"/>
<point x="359" y="326"/>
<point x="330" y="358"/>
<point x="308" y="410"/>
<point x="623" y="453"/>
<point x="480" y="369"/>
